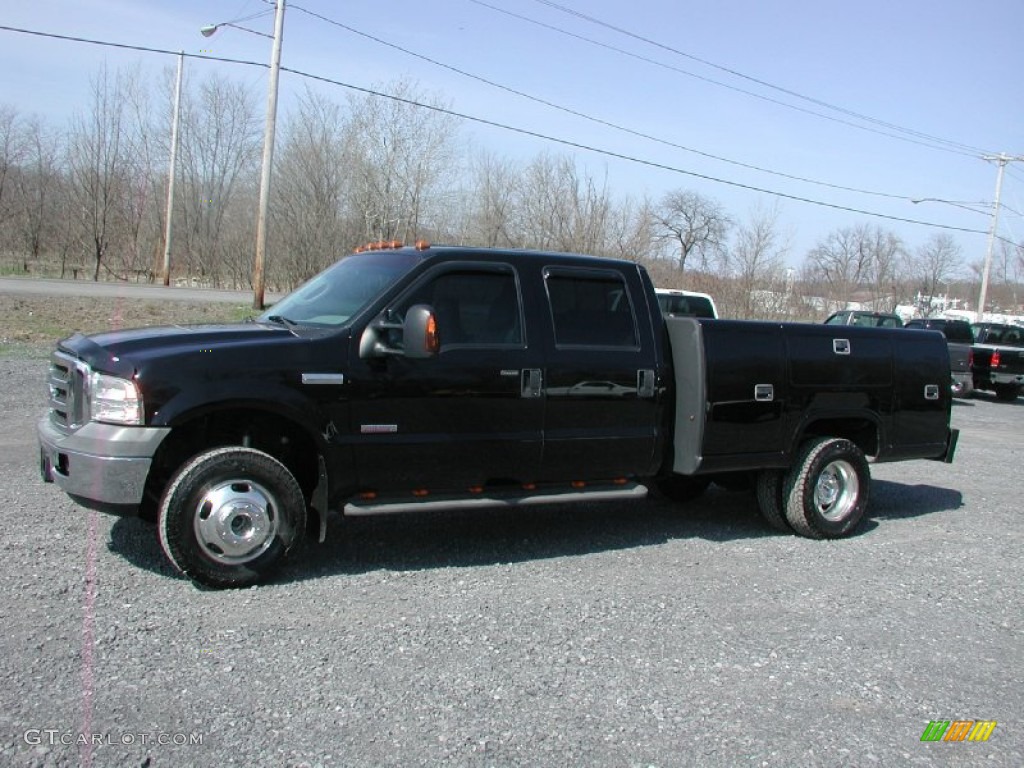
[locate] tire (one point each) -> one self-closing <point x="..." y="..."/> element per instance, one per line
<point x="826" y="492"/>
<point x="770" y="501"/>
<point x="682" y="488"/>
<point x="230" y="516"/>
<point x="1007" y="392"/>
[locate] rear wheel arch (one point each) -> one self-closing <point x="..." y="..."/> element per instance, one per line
<point x="864" y="431"/>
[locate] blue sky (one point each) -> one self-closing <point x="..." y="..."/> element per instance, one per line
<point x="713" y="77"/>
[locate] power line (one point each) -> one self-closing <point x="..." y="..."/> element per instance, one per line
<point x="130" y="47"/>
<point x="510" y="128"/>
<point x="627" y="158"/>
<point x="765" y="83"/>
<point x="591" y="118"/>
<point x="970" y="152"/>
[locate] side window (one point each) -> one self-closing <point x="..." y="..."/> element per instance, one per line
<point x="473" y="307"/>
<point x="590" y="308"/>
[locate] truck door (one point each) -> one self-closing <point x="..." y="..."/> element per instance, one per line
<point x="602" y="409"/>
<point x="470" y="415"/>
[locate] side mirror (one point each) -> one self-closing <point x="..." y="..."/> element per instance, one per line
<point x="419" y="332"/>
<point x="419" y="335"/>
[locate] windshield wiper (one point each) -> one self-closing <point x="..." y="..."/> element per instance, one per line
<point x="281" y="320"/>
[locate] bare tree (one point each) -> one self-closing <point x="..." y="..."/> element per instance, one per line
<point x="838" y="264"/>
<point x="219" y="152"/>
<point x="884" y="254"/>
<point x="756" y="265"/>
<point x="935" y="263"/>
<point x="492" y="212"/>
<point x="12" y="152"/>
<point x="39" y="189"/>
<point x="403" y="158"/>
<point x="698" y="225"/>
<point x="562" y="208"/>
<point x="310" y="189"/>
<point x="97" y="166"/>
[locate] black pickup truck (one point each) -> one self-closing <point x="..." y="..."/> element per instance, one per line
<point x="997" y="359"/>
<point x="959" y="340"/>
<point x="417" y="377"/>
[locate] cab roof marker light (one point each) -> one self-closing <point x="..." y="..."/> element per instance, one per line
<point x="422" y="245"/>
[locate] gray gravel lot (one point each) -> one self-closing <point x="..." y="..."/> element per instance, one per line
<point x="622" y="634"/>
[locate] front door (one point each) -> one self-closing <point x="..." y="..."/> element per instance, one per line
<point x="470" y="415"/>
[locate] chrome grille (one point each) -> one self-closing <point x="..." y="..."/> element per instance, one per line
<point x="68" y="381"/>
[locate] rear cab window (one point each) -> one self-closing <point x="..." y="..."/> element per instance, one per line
<point x="591" y="308"/>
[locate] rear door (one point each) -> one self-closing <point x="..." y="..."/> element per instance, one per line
<point x="603" y="405"/>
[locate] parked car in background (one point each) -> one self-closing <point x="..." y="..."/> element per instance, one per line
<point x="864" y="318"/>
<point x="998" y="359"/>
<point x="959" y="339"/>
<point x="686" y="303"/>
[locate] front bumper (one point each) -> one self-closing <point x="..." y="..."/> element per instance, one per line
<point x="102" y="463"/>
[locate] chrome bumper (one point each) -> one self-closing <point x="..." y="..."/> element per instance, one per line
<point x="1007" y="378"/>
<point x="104" y="463"/>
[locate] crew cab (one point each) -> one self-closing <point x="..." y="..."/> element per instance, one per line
<point x="406" y="378"/>
<point x="959" y="340"/>
<point x="998" y="359"/>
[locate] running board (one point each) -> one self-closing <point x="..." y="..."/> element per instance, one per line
<point x="494" y="498"/>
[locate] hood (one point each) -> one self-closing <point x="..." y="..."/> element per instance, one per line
<point x="121" y="352"/>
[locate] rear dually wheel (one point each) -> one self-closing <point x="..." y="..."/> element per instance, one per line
<point x="826" y="492"/>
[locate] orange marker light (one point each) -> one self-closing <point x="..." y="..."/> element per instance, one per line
<point x="433" y="340"/>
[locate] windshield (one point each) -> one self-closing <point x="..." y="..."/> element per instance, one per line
<point x="342" y="290"/>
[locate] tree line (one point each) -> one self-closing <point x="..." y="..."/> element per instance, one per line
<point x="88" y="199"/>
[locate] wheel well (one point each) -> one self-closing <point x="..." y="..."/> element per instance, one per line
<point x="861" y="432"/>
<point x="269" y="432"/>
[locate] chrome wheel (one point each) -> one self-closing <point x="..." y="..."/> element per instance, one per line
<point x="836" y="491"/>
<point x="825" y="493"/>
<point x="230" y="516"/>
<point x="236" y="521"/>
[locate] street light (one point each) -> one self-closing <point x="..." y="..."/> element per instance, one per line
<point x="258" y="281"/>
<point x="209" y="29"/>
<point x="965" y="204"/>
<point x="991" y="234"/>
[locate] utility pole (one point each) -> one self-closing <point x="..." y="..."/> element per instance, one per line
<point x="171" y="171"/>
<point x="258" y="280"/>
<point x="1001" y="159"/>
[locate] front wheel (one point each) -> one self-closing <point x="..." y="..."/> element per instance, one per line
<point x="230" y="515"/>
<point x="826" y="491"/>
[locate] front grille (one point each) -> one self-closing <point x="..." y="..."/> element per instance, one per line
<point x="68" y="383"/>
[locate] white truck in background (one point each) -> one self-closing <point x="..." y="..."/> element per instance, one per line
<point x="686" y="303"/>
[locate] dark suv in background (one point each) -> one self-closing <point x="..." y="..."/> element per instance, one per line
<point x="959" y="340"/>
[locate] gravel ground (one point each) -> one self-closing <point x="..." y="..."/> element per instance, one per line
<point x="622" y="634"/>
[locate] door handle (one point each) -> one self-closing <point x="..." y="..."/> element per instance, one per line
<point x="645" y="383"/>
<point x="532" y="382"/>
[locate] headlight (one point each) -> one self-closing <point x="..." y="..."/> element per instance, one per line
<point x="114" y="400"/>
